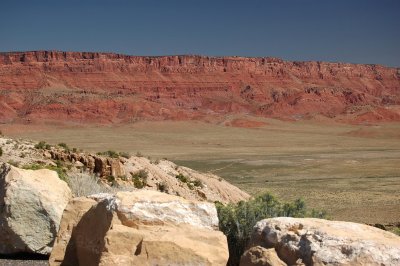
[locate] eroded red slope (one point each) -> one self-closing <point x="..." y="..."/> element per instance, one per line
<point x="112" y="88"/>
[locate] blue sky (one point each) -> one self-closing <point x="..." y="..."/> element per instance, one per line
<point x="357" y="31"/>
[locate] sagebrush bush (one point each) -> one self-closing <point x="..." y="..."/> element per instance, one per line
<point x="125" y="155"/>
<point x="140" y="178"/>
<point x="198" y="183"/>
<point x="163" y="187"/>
<point x="1" y="151"/>
<point x="40" y="145"/>
<point x="110" y="153"/>
<point x="236" y="221"/>
<point x="182" y="178"/>
<point x="85" y="185"/>
<point x="64" y="145"/>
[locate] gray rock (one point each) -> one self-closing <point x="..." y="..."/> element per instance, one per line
<point x="31" y="206"/>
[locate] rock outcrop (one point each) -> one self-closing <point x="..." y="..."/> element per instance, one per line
<point x="309" y="241"/>
<point x="198" y="186"/>
<point x="160" y="175"/>
<point x="139" y="228"/>
<point x="114" y="88"/>
<point x="31" y="206"/>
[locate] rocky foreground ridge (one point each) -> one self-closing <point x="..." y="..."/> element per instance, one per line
<point x="116" y="171"/>
<point x="122" y="224"/>
<point x="143" y="227"/>
<point x="112" y="88"/>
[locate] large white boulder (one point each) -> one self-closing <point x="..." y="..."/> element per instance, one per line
<point x="31" y="206"/>
<point x="142" y="227"/>
<point x="308" y="241"/>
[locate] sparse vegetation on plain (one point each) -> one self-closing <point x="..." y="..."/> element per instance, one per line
<point x="349" y="170"/>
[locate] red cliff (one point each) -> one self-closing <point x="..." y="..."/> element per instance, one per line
<point x="113" y="88"/>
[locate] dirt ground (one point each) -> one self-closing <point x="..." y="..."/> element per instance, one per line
<point x="351" y="171"/>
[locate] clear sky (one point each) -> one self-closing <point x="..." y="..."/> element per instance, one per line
<point x="357" y="31"/>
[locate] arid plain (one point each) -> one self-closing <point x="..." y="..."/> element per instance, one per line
<point x="351" y="171"/>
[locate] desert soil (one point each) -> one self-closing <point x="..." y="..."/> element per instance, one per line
<point x="351" y="171"/>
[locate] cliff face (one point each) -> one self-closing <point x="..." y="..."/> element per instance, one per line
<point x="112" y="88"/>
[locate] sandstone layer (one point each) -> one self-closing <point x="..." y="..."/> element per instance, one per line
<point x="139" y="228"/>
<point x="308" y="241"/>
<point x="113" y="88"/>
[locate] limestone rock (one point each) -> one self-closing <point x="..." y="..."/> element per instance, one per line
<point x="31" y="206"/>
<point x="321" y="242"/>
<point x="139" y="228"/>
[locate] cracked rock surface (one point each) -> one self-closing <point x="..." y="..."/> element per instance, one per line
<point x="309" y="241"/>
<point x="139" y="228"/>
<point x="31" y="206"/>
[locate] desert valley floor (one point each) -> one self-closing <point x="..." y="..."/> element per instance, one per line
<point x="351" y="171"/>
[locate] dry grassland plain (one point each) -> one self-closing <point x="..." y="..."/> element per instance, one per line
<point x="351" y="171"/>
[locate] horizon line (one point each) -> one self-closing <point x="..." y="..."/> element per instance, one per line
<point x="196" y="55"/>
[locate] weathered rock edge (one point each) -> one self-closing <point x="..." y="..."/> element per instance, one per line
<point x="309" y="241"/>
<point x="31" y="206"/>
<point x="139" y="228"/>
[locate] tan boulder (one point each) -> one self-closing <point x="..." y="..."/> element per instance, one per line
<point x="31" y="206"/>
<point x="259" y="256"/>
<point x="139" y="228"/>
<point x="117" y="169"/>
<point x="310" y="241"/>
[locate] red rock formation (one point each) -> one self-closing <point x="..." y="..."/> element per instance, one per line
<point x="113" y="88"/>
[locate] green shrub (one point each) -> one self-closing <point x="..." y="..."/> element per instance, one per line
<point x="33" y="166"/>
<point x="13" y="163"/>
<point x="125" y="155"/>
<point x="110" y="178"/>
<point x="163" y="187"/>
<point x="396" y="231"/>
<point x="236" y="221"/>
<point x="62" y="173"/>
<point x="1" y="151"/>
<point x="140" y="178"/>
<point x="40" y="145"/>
<point x="112" y="154"/>
<point x="64" y="145"/>
<point x="182" y="178"/>
<point x="198" y="183"/>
